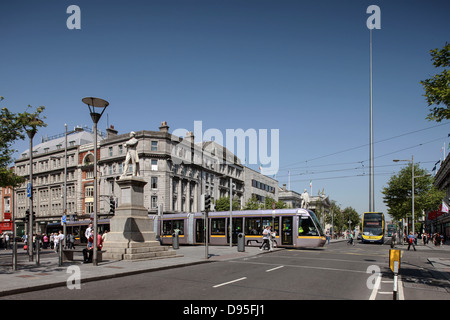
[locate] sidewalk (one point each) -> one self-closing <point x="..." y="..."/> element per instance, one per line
<point x="30" y="277"/>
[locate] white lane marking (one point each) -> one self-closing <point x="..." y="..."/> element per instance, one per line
<point x="232" y="281"/>
<point x="375" y="288"/>
<point x="274" y="268"/>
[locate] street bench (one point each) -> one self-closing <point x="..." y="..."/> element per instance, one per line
<point x="68" y="254"/>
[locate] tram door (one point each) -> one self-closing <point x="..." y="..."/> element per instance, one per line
<point x="286" y="231"/>
<point x="199" y="230"/>
<point x="237" y="228"/>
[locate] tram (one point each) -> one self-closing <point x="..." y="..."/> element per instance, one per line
<point x="78" y="228"/>
<point x="295" y="228"/>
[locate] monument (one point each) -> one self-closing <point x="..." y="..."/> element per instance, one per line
<point x="305" y="200"/>
<point x="131" y="235"/>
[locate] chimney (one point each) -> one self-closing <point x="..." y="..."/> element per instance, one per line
<point x="189" y="137"/>
<point x="284" y="186"/>
<point x="164" y="127"/>
<point x="111" y="132"/>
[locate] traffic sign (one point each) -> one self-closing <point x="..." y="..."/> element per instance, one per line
<point x="29" y="190"/>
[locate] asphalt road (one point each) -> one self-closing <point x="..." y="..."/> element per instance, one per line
<point x="336" y="272"/>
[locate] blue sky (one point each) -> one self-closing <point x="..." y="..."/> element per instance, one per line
<point x="298" y="66"/>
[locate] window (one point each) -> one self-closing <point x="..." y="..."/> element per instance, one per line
<point x="154" y="165"/>
<point x="110" y="151"/>
<point x="154" y="203"/>
<point x="253" y="226"/>
<point x="89" y="207"/>
<point x="306" y="227"/>
<point x="154" y="183"/>
<point x="170" y="226"/>
<point x="218" y="226"/>
<point x="154" y="145"/>
<point x="89" y="192"/>
<point x="120" y="149"/>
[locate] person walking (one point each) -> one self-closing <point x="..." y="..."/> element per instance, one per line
<point x="266" y="235"/>
<point x="411" y="240"/>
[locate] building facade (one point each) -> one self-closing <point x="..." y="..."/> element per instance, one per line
<point x="177" y="171"/>
<point x="439" y="220"/>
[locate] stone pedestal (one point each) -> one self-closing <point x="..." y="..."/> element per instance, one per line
<point x="131" y="235"/>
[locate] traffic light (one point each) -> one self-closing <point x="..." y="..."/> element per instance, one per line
<point x="27" y="215"/>
<point x="207" y="202"/>
<point x="112" y="205"/>
<point x="34" y="216"/>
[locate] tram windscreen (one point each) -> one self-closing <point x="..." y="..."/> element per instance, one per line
<point x="317" y="223"/>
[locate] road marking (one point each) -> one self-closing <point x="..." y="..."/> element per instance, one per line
<point x="401" y="295"/>
<point x="274" y="268"/>
<point x="375" y="288"/>
<point x="232" y="281"/>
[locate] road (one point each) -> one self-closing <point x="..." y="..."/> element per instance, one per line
<point x="336" y="272"/>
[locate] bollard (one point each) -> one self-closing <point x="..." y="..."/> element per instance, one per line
<point x="241" y="242"/>
<point x="37" y="252"/>
<point x="60" y="253"/>
<point x="175" y="241"/>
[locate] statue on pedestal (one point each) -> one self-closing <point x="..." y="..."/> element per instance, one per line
<point x="132" y="155"/>
<point x="305" y="199"/>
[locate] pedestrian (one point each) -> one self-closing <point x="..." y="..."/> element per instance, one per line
<point x="55" y="242"/>
<point x="350" y="238"/>
<point x="272" y="240"/>
<point x="6" y="241"/>
<point x="424" y="238"/>
<point x="266" y="235"/>
<point x="87" y="252"/>
<point x="411" y="240"/>
<point x="87" y="233"/>
<point x="70" y="241"/>
<point x="45" y="241"/>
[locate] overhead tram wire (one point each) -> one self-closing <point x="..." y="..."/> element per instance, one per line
<point x="288" y="166"/>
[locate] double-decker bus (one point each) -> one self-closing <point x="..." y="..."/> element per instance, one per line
<point x="391" y="230"/>
<point x="373" y="227"/>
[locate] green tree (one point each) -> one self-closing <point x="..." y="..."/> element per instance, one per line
<point x="252" y="204"/>
<point x="350" y="213"/>
<point x="223" y="204"/>
<point x="278" y="204"/>
<point x="437" y="88"/>
<point x="398" y="193"/>
<point x="14" y="126"/>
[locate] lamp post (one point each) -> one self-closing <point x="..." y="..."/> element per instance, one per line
<point x="30" y="132"/>
<point x="93" y="103"/>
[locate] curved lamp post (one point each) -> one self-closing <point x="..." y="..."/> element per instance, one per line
<point x="101" y="105"/>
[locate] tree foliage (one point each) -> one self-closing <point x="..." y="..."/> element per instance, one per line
<point x="14" y="126"/>
<point x="398" y="193"/>
<point x="223" y="204"/>
<point x="437" y="88"/>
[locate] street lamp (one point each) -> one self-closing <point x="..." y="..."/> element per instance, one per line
<point x="92" y="104"/>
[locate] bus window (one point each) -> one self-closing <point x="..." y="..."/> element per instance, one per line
<point x="218" y="226"/>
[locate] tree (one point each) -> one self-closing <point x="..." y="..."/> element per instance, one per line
<point x="278" y="205"/>
<point x="223" y="204"/>
<point x="14" y="126"/>
<point x="437" y="88"/>
<point x="252" y="204"/>
<point x="398" y="193"/>
<point x="350" y="214"/>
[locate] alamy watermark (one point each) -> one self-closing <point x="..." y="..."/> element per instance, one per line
<point x="250" y="147"/>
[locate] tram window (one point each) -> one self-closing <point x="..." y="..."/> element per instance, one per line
<point x="218" y="226"/>
<point x="253" y="226"/>
<point x="169" y="227"/>
<point x="306" y="227"/>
